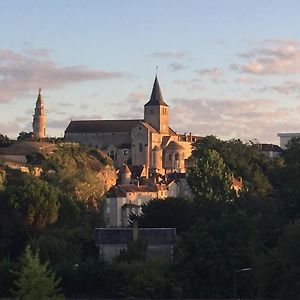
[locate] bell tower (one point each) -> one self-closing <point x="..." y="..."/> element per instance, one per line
<point x="39" y="118"/>
<point x="156" y="111"/>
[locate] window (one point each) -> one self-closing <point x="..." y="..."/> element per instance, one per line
<point x="170" y="156"/>
<point x="140" y="147"/>
<point x="112" y="155"/>
<point x="176" y="156"/>
<point x="125" y="151"/>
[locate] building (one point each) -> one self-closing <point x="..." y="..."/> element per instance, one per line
<point x="269" y="150"/>
<point x="159" y="241"/>
<point x="129" y="195"/>
<point x="286" y="137"/>
<point x="39" y="118"/>
<point x="148" y="142"/>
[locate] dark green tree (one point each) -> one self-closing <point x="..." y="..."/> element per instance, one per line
<point x="169" y="212"/>
<point x="36" y="203"/>
<point x="287" y="181"/>
<point x="209" y="179"/>
<point x="35" y="281"/>
<point x="4" y="141"/>
<point x="25" y="136"/>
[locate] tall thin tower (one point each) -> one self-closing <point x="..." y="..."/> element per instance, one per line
<point x="39" y="118"/>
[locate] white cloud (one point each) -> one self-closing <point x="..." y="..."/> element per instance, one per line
<point x="213" y="73"/>
<point x="272" y="57"/>
<point x="22" y="72"/>
<point x="249" y="119"/>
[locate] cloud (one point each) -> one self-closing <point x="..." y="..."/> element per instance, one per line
<point x="168" y="55"/>
<point x="22" y="72"/>
<point x="134" y="106"/>
<point x="63" y="123"/>
<point x="213" y="73"/>
<point x="177" y="66"/>
<point x="248" y="119"/>
<point x="245" y="80"/>
<point x="132" y="99"/>
<point x="272" y="57"/>
<point x="10" y="128"/>
<point x="286" y="88"/>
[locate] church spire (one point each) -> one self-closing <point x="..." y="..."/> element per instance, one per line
<point x="156" y="95"/>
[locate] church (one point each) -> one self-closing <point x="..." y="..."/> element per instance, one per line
<point x="149" y="142"/>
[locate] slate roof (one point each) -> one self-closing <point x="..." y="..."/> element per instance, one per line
<point x="156" y="95"/>
<point x="121" y="189"/>
<point x="150" y="127"/>
<point x="137" y="171"/>
<point x="123" y="236"/>
<point x="92" y="126"/>
<point x="269" y="147"/>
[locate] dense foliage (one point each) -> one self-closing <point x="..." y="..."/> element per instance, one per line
<point x="250" y="237"/>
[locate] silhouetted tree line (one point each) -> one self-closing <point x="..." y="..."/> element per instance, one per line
<point x="250" y="237"/>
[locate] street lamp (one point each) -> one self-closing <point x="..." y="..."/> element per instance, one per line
<point x="235" y="279"/>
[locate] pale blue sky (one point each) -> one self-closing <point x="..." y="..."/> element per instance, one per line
<point x="228" y="68"/>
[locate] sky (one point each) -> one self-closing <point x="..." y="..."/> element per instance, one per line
<point x="226" y="68"/>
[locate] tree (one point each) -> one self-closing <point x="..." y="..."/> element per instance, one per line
<point x="35" y="280"/>
<point x="25" y="136"/>
<point x="240" y="159"/>
<point x="4" y="141"/>
<point x="208" y="178"/>
<point x="287" y="181"/>
<point x="170" y="212"/>
<point x="35" y="203"/>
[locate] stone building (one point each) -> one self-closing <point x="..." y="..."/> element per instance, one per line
<point x="39" y="118"/>
<point x="159" y="242"/>
<point x="148" y="142"/>
<point x="129" y="195"/>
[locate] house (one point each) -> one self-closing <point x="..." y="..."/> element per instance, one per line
<point x="159" y="241"/>
<point x="286" y="137"/>
<point x="269" y="150"/>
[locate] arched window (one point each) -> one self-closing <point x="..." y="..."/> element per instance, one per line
<point x="176" y="156"/>
<point x="170" y="156"/>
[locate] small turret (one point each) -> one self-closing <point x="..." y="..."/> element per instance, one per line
<point x="39" y="118"/>
<point x="125" y="174"/>
<point x="157" y="159"/>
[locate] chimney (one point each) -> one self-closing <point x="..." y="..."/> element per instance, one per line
<point x="135" y="231"/>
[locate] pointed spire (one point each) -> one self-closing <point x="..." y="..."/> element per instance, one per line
<point x="156" y="95"/>
<point x="39" y="98"/>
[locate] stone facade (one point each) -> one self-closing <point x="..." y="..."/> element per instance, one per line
<point x="149" y="141"/>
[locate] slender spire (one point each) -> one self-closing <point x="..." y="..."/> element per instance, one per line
<point x="156" y="95"/>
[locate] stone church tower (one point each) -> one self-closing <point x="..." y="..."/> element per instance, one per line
<point x="156" y="111"/>
<point x="39" y="118"/>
